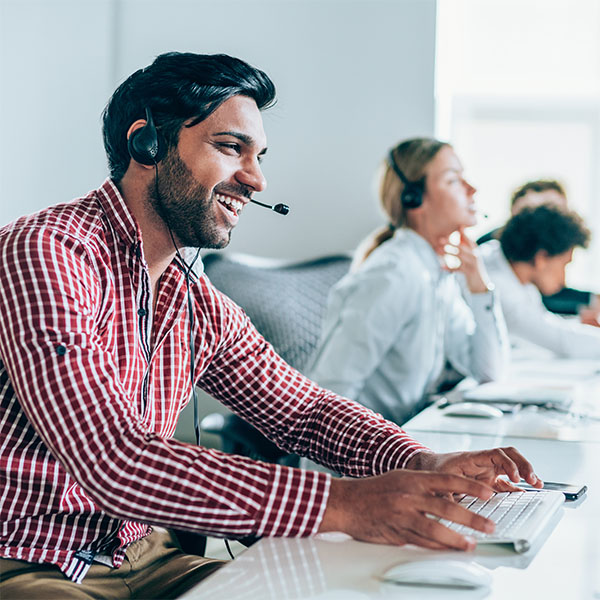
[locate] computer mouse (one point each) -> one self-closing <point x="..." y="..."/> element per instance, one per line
<point x="439" y="573"/>
<point x="472" y="409"/>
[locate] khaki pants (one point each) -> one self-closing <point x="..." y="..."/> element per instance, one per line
<point x="154" y="567"/>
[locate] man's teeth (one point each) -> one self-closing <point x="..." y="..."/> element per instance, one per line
<point x="236" y="204"/>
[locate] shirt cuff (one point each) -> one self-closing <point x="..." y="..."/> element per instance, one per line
<point x="484" y="302"/>
<point x="395" y="452"/>
<point x="296" y="504"/>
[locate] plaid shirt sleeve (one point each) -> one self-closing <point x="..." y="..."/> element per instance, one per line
<point x="248" y="376"/>
<point x="67" y="384"/>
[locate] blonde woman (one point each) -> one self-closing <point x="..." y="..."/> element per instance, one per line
<point x="394" y="321"/>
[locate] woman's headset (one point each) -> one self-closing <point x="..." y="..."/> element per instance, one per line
<point x="412" y="193"/>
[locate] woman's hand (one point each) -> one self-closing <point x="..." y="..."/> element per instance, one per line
<point x="470" y="265"/>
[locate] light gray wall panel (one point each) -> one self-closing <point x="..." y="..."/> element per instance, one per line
<point x="55" y="63"/>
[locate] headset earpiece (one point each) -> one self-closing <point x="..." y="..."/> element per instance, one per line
<point x="412" y="193"/>
<point x="146" y="146"/>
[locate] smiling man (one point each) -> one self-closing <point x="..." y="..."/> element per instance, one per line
<point x="104" y="331"/>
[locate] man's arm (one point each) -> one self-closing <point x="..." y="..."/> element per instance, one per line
<point x="299" y="416"/>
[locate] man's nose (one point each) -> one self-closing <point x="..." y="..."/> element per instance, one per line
<point x="251" y="176"/>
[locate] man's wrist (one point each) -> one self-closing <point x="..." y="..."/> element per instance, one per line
<point x="421" y="461"/>
<point x="337" y="500"/>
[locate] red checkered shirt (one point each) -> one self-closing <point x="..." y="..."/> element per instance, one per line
<point x="92" y="383"/>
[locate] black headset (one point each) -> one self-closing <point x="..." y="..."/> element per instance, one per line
<point x="412" y="193"/>
<point x="146" y="145"/>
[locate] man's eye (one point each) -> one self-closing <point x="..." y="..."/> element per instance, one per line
<point x="231" y="146"/>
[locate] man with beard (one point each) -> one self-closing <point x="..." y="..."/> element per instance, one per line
<point x="105" y="330"/>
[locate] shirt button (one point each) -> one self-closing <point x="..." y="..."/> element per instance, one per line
<point x="142" y="312"/>
<point x="61" y="350"/>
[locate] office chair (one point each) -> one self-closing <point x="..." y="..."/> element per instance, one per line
<point x="286" y="302"/>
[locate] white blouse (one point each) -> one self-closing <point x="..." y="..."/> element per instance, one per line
<point x="390" y="326"/>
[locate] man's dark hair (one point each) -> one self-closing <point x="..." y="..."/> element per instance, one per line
<point x="177" y="87"/>
<point x="539" y="185"/>
<point x="547" y="227"/>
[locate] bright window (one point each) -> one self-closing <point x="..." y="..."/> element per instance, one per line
<point x="518" y="95"/>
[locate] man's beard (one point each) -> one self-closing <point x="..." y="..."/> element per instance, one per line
<point x="185" y="205"/>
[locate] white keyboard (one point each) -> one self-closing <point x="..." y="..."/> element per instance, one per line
<point x="520" y="517"/>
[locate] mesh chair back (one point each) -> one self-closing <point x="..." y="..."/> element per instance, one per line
<point x="285" y="301"/>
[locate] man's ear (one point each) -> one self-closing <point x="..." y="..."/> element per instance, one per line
<point x="540" y="259"/>
<point x="136" y="126"/>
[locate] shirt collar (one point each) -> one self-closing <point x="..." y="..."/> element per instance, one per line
<point x="118" y="213"/>
<point x="128" y="230"/>
<point x="423" y="249"/>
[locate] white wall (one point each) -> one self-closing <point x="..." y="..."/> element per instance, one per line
<point x="55" y="64"/>
<point x="353" y="77"/>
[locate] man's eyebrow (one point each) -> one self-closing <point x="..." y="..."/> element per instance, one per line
<point x="245" y="139"/>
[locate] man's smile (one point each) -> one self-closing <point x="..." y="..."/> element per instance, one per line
<point x="231" y="203"/>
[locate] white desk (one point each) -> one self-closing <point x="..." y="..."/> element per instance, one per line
<point x="566" y="566"/>
<point x="532" y="421"/>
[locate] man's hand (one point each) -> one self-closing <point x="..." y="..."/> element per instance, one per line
<point x="484" y="465"/>
<point x="393" y="508"/>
